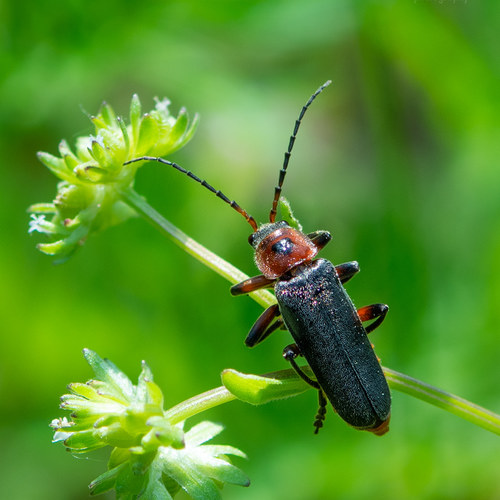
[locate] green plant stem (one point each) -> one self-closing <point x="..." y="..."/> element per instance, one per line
<point x="199" y="404"/>
<point x="449" y="402"/>
<point x="399" y="381"/>
<point x="454" y="404"/>
<point x="199" y="252"/>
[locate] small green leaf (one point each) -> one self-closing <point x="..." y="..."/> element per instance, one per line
<point x="84" y="390"/>
<point x="148" y="135"/>
<point x="165" y="433"/>
<point x="92" y="173"/>
<point x="99" y="153"/>
<point x="155" y="489"/>
<point x="105" y="420"/>
<point x="257" y="389"/>
<point x="141" y="460"/>
<point x="224" y="472"/>
<point x="192" y="481"/>
<point x="64" y="149"/>
<point x="42" y="208"/>
<point x="287" y="214"/>
<point x="178" y="130"/>
<point x="55" y="248"/>
<point x="118" y="456"/>
<point x="83" y="441"/>
<point x="126" y="138"/>
<point x="71" y="162"/>
<point x="106" y="371"/>
<point x="135" y="117"/>
<point x="154" y="394"/>
<point x="217" y="450"/>
<point x="144" y="377"/>
<point x="106" y="481"/>
<point x="82" y="145"/>
<point x="108" y="115"/>
<point x="115" y="150"/>
<point x="98" y="122"/>
<point x="83" y="409"/>
<point x="191" y="130"/>
<point x="111" y="393"/>
<point x="116" y="435"/>
<point x="128" y="484"/>
<point x="68" y="156"/>
<point x="56" y="166"/>
<point x="203" y="432"/>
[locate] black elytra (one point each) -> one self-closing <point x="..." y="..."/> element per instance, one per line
<point x="314" y="306"/>
<point x="329" y="334"/>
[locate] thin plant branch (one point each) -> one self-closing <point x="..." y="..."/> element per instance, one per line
<point x="398" y="381"/>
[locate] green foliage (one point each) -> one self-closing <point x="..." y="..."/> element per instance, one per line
<point x="399" y="162"/>
<point x="88" y="198"/>
<point x="152" y="457"/>
<point x="287" y="213"/>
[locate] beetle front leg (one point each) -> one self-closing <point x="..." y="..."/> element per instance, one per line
<point x="347" y="270"/>
<point x="264" y="326"/>
<point x="251" y="285"/>
<point x="378" y="311"/>
<point x="320" y="238"/>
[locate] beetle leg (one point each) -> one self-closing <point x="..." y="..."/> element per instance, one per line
<point x="320" y="416"/>
<point x="347" y="270"/>
<point x="252" y="284"/>
<point x="279" y="323"/>
<point x="264" y="326"/>
<point x="290" y="352"/>
<point x="371" y="312"/>
<point x="320" y="238"/>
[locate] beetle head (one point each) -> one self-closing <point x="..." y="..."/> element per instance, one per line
<point x="279" y="248"/>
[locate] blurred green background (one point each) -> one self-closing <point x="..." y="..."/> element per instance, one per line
<point x="399" y="159"/>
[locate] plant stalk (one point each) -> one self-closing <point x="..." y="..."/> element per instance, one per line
<point x="447" y="401"/>
<point x="192" y="247"/>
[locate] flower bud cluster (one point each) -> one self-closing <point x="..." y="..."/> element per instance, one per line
<point x="152" y="456"/>
<point x="92" y="176"/>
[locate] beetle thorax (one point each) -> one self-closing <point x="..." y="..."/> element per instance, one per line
<point x="279" y="248"/>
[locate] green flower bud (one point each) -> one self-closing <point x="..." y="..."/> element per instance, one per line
<point x="150" y="453"/>
<point x="88" y="198"/>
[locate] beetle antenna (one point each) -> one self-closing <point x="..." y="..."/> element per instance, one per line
<point x="217" y="193"/>
<point x="277" y="189"/>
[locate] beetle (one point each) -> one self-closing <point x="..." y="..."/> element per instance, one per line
<point x="313" y="305"/>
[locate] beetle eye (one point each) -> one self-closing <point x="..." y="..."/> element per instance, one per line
<point x="251" y="238"/>
<point x="283" y="246"/>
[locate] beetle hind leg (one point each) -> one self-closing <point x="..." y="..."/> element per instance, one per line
<point x="290" y="352"/>
<point x="321" y="415"/>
